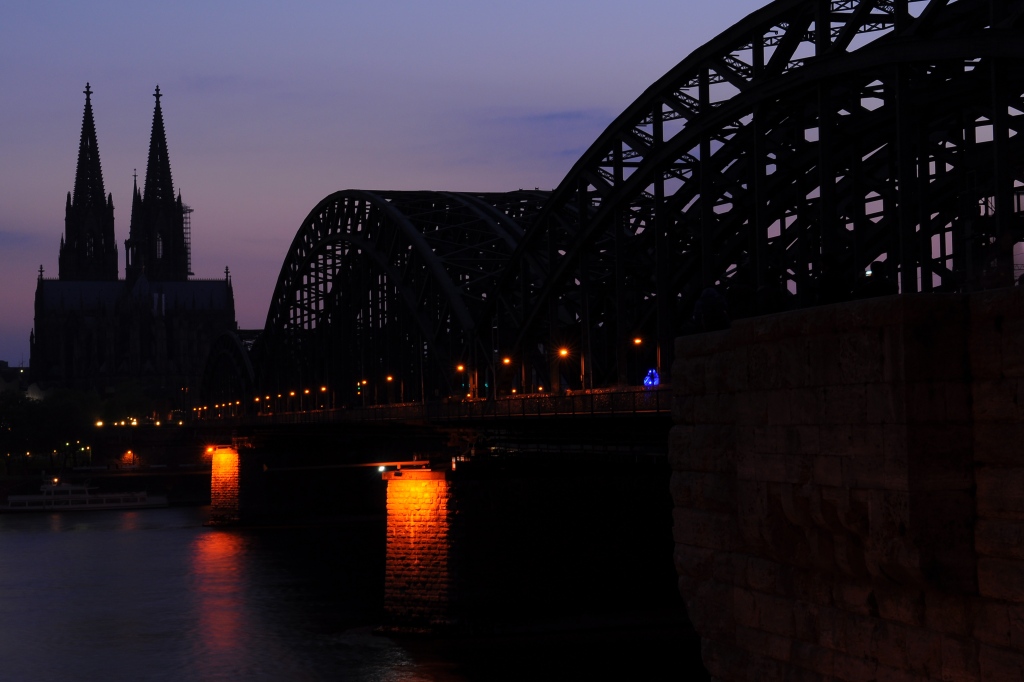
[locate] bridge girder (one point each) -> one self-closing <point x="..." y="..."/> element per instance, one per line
<point x="817" y="151"/>
<point x="776" y="164"/>
<point x="380" y="284"/>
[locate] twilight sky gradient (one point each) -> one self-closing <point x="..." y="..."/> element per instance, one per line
<point x="269" y="107"/>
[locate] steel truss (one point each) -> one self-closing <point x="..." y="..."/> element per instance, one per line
<point x="817" y="151"/>
<point x="390" y="284"/>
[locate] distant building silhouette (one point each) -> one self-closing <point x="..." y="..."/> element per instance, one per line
<point x="154" y="328"/>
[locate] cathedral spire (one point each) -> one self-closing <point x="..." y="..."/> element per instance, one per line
<point x="88" y="250"/>
<point x="158" y="169"/>
<point x="156" y="243"/>
<point x="88" y="176"/>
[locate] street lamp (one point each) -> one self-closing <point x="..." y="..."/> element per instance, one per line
<point x="637" y="341"/>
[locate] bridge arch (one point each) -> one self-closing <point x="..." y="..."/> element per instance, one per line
<point x="390" y="284"/>
<point x="817" y="151"/>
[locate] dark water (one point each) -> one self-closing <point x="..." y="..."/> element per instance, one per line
<point x="154" y="595"/>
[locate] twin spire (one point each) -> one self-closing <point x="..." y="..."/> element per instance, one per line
<point x="157" y="243"/>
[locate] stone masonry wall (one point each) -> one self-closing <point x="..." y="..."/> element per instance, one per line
<point x="847" y="491"/>
<point x="417" y="586"/>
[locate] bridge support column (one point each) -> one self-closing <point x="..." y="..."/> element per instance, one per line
<point x="418" y="578"/>
<point x="224" y="488"/>
<point x="847" y="487"/>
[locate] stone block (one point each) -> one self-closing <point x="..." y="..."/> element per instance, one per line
<point x="991" y="622"/>
<point x="885" y="403"/>
<point x="694" y="562"/>
<point x="855" y="597"/>
<point x="948" y="613"/>
<point x="762" y="574"/>
<point x="860" y="357"/>
<point x="1002" y="538"/>
<point x="854" y="668"/>
<point x="1000" y="665"/>
<point x="711" y="610"/>
<point x="714" y="408"/>
<point x="801" y="440"/>
<point x="710" y="491"/>
<point x="899" y="605"/>
<point x="998" y="442"/>
<point x="805" y="405"/>
<point x="775" y="614"/>
<point x="1001" y="579"/>
<point x="999" y="492"/>
<point x="924" y="653"/>
<point x="699" y="528"/>
<point x="828" y="471"/>
<point x="814" y="658"/>
<point x="774" y="468"/>
<point x="779" y="413"/>
<point x="960" y="660"/>
<point x="682" y="410"/>
<point x="709" y="448"/>
<point x="874" y="474"/>
<point x="688" y="375"/>
<point x="996" y="400"/>
<point x="764" y="644"/>
<point x="752" y="406"/>
<point x="730" y="568"/>
<point x="844" y="404"/>
<point x="765" y="371"/>
<point x="889" y="645"/>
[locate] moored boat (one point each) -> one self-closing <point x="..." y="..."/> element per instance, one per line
<point x="60" y="496"/>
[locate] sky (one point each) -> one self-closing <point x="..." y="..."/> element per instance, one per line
<point x="271" y="106"/>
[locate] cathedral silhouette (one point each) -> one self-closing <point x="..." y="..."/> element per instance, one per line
<point x="150" y="331"/>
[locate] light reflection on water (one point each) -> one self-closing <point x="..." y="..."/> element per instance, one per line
<point x="153" y="595"/>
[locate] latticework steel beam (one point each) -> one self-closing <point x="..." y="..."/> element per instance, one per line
<point x="817" y="151"/>
<point x="390" y="284"/>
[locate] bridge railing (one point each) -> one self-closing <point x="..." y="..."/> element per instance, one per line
<point x="579" y="403"/>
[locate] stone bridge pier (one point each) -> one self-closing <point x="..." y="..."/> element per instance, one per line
<point x="848" y="488"/>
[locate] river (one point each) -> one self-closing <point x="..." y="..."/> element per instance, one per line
<point x="155" y="595"/>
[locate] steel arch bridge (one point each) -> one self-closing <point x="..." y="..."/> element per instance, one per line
<point x="817" y="151"/>
<point x="381" y="291"/>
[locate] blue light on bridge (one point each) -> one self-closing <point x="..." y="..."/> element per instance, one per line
<point x="652" y="379"/>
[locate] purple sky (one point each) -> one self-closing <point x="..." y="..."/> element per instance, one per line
<point x="269" y="108"/>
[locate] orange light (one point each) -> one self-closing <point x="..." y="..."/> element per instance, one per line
<point x="323" y="389"/>
<point x="291" y="393"/>
<point x="637" y="341"/>
<point x="390" y="378"/>
<point x="306" y="391"/>
<point x="563" y="352"/>
<point x="364" y="382"/>
<point x="506" y="361"/>
<point x="209" y="449"/>
<point x="257" y="398"/>
<point x="460" y="368"/>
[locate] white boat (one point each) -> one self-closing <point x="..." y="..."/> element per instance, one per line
<point x="59" y="496"/>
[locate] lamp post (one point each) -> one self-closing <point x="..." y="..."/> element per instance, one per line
<point x="637" y="342"/>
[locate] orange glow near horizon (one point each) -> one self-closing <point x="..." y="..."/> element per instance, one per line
<point x="563" y="352"/>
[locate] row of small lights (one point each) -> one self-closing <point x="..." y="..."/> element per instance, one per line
<point x="563" y="352"/>
<point x="130" y="422"/>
